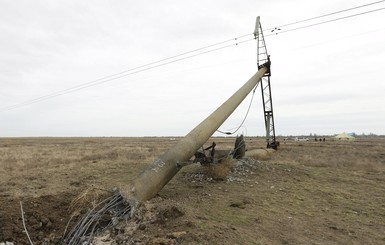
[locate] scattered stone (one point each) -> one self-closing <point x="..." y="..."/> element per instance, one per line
<point x="234" y="179"/>
<point x="176" y="235"/>
<point x="241" y="170"/>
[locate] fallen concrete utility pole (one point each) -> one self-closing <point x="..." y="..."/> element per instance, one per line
<point x="123" y="204"/>
<point x="163" y="169"/>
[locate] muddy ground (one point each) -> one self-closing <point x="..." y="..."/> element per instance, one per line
<point x="307" y="193"/>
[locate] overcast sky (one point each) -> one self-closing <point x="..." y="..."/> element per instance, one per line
<point x="326" y="79"/>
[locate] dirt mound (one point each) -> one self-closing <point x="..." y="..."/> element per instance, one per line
<point x="46" y="218"/>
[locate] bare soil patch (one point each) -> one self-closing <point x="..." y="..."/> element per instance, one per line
<point x="307" y="193"/>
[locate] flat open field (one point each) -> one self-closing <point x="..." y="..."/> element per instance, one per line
<point x="306" y="193"/>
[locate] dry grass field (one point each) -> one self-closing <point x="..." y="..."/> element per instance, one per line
<point x="306" y="193"/>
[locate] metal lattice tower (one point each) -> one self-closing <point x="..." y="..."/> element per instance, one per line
<point x="264" y="60"/>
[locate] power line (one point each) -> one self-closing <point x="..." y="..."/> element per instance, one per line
<point x="325" y="15"/>
<point x="173" y="59"/>
<point x="324" y="22"/>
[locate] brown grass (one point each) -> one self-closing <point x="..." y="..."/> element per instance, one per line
<point x="357" y="155"/>
<point x="307" y="193"/>
<point x="221" y="170"/>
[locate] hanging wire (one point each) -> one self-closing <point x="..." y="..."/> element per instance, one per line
<point x="244" y="119"/>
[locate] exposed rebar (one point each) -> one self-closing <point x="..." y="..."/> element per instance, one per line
<point x="103" y="216"/>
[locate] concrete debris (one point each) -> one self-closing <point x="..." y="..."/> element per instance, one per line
<point x="241" y="170"/>
<point x="198" y="177"/>
<point x="234" y="179"/>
